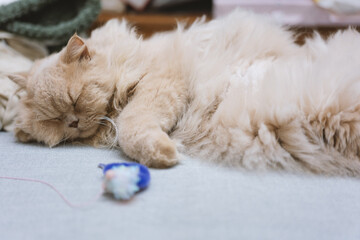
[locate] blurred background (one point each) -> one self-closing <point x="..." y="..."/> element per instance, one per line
<point x="52" y="22"/>
<point x="158" y="15"/>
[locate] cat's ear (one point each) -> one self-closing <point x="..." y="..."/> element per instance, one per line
<point x="19" y="78"/>
<point x="76" y="50"/>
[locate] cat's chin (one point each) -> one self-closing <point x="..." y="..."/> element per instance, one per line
<point x="73" y="135"/>
<point x="87" y="132"/>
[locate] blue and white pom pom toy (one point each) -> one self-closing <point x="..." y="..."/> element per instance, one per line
<point x="123" y="180"/>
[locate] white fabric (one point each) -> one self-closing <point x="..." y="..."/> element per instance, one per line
<point x="296" y="12"/>
<point x="340" y="6"/>
<point x="193" y="200"/>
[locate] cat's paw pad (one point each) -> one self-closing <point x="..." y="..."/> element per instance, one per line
<point x="163" y="152"/>
<point x="23" y="136"/>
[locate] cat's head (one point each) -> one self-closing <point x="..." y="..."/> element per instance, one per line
<point x="66" y="96"/>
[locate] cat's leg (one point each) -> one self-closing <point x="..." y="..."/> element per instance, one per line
<point x="142" y="139"/>
<point x="145" y="121"/>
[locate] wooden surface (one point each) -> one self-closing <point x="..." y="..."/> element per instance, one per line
<point x="147" y="24"/>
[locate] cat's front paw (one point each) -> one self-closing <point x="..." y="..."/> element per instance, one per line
<point x="163" y="153"/>
<point x="153" y="148"/>
<point x="23" y="136"/>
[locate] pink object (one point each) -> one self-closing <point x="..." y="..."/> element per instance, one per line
<point x="288" y="12"/>
<point x="70" y="204"/>
<point x="109" y="175"/>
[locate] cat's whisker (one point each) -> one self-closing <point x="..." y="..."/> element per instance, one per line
<point x="113" y="128"/>
<point x="64" y="139"/>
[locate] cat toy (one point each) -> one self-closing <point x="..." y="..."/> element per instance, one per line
<point x="123" y="180"/>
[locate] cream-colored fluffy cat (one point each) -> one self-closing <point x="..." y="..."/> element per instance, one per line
<point x="235" y="90"/>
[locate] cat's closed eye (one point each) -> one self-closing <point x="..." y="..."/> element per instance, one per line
<point x="76" y="102"/>
<point x="57" y="119"/>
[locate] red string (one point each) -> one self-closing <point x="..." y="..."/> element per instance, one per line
<point x="70" y="204"/>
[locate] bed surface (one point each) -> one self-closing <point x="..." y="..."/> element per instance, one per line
<point x="193" y="200"/>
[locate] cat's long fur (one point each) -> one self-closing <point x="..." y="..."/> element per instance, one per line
<point x="236" y="90"/>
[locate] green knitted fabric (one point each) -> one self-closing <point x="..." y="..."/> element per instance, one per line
<point x="48" y="20"/>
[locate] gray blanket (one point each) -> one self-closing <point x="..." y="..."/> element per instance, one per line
<point x="193" y="200"/>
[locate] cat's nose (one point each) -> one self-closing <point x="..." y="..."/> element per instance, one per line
<point x="74" y="124"/>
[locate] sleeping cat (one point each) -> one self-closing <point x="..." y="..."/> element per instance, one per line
<point x="236" y="90"/>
